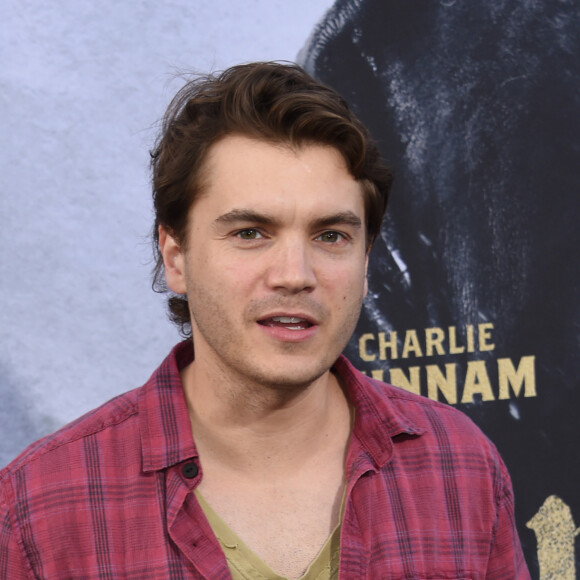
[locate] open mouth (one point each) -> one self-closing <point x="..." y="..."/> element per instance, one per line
<point x="289" y="322"/>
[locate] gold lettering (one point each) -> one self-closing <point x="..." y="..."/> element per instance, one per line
<point x="476" y="382"/>
<point x="525" y="375"/>
<point x="434" y="341"/>
<point x="362" y="348"/>
<point x="392" y="344"/>
<point x="447" y="384"/>
<point x="484" y="333"/>
<point x="411" y="344"/>
<point x="411" y="384"/>
<point x="555" y="532"/>
<point x="378" y="374"/>
<point x="469" y="335"/>
<point x="453" y="348"/>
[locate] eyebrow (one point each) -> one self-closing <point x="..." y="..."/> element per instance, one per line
<point x="244" y="215"/>
<point x="347" y="218"/>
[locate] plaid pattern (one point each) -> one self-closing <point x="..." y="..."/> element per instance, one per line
<point x="107" y="497"/>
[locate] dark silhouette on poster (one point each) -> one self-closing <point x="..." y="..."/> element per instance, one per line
<point x="474" y="283"/>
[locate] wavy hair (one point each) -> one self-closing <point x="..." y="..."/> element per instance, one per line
<point x="269" y="101"/>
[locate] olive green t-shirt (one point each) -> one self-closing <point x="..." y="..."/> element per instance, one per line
<point x="246" y="565"/>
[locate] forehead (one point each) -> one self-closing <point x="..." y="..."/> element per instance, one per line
<point x="241" y="171"/>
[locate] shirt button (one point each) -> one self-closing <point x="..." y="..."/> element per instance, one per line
<point x="189" y="470"/>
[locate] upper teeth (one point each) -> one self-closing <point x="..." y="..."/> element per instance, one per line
<point x="287" y="319"/>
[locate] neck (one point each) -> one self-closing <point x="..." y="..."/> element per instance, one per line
<point x="251" y="427"/>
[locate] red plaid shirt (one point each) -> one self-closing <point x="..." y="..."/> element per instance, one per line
<point x="109" y="496"/>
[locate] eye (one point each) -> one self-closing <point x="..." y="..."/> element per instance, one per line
<point x="330" y="237"/>
<point x="249" y="234"/>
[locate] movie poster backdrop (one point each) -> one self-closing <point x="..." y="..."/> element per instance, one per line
<point x="474" y="281"/>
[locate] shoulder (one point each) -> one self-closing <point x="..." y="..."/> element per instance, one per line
<point x="460" y="445"/>
<point x="423" y="409"/>
<point x="400" y="405"/>
<point x="440" y="438"/>
<point x="101" y="421"/>
<point x="432" y="425"/>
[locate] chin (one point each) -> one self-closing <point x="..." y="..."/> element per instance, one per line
<point x="294" y="375"/>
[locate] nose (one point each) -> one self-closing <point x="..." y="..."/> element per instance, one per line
<point x="291" y="269"/>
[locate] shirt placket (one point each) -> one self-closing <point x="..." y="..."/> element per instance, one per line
<point x="188" y="527"/>
<point x="355" y="546"/>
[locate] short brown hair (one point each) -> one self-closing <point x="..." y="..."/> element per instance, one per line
<point x="269" y="101"/>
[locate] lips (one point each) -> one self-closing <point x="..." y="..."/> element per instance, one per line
<point x="288" y="322"/>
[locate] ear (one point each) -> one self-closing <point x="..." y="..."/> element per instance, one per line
<point x="173" y="262"/>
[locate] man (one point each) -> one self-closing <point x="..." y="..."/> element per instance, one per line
<point x="256" y="450"/>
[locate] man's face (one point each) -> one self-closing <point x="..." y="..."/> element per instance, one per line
<point x="275" y="263"/>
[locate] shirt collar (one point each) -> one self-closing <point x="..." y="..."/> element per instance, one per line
<point x="377" y="419"/>
<point x="166" y="436"/>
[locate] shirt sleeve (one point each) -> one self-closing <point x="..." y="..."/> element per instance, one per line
<point x="12" y="564"/>
<point x="506" y="557"/>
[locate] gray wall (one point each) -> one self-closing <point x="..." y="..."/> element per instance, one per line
<point x="81" y="87"/>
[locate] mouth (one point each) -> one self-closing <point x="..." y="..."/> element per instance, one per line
<point x="288" y="322"/>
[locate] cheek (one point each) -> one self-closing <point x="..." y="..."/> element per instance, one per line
<point x="234" y="277"/>
<point x="238" y="273"/>
<point x="346" y="277"/>
<point x="350" y="288"/>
